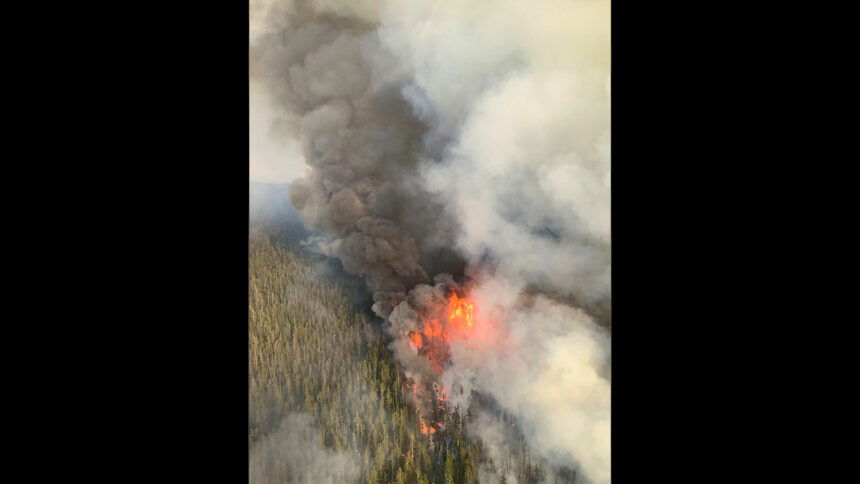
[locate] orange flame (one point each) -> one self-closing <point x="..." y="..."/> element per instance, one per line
<point x="460" y="312"/>
<point x="415" y="340"/>
<point x="456" y="319"/>
<point x="427" y="429"/>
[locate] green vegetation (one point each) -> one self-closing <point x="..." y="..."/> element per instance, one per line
<point x="311" y="353"/>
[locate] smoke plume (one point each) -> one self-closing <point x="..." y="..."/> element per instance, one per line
<point x="464" y="146"/>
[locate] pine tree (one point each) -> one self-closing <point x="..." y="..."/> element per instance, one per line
<point x="449" y="469"/>
<point x="311" y="352"/>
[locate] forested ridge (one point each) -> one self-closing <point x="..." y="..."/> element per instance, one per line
<point x="311" y="353"/>
<point x="327" y="402"/>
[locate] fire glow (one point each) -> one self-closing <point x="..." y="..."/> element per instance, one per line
<point x="457" y="320"/>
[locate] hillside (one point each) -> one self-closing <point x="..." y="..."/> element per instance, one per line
<point x="326" y="403"/>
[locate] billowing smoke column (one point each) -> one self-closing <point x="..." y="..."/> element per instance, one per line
<point x="459" y="160"/>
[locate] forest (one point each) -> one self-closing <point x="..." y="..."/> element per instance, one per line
<point x="311" y="353"/>
<point x="327" y="402"/>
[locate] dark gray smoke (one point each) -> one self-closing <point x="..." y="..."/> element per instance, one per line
<point x="330" y="77"/>
<point x="448" y="136"/>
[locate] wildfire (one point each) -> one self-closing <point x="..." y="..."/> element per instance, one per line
<point x="427" y="429"/>
<point x="415" y="339"/>
<point x="460" y="312"/>
<point x="457" y="319"/>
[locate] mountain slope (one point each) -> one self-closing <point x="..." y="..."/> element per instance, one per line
<point x="326" y="403"/>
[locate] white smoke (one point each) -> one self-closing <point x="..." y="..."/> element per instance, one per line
<point x="546" y="364"/>
<point x="274" y="155"/>
<point x="294" y="452"/>
<point x="521" y="91"/>
<point x="510" y="104"/>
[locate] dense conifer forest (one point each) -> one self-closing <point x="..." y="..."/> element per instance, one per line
<point x="313" y="355"/>
<point x="327" y="402"/>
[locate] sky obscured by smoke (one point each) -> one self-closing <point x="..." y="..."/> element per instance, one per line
<point x="273" y="157"/>
<point x="459" y="137"/>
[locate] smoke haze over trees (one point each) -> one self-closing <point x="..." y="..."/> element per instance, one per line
<point x="463" y="146"/>
<point x="327" y="401"/>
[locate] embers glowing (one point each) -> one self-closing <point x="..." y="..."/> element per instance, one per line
<point x="452" y="320"/>
<point x="415" y="340"/>
<point x="460" y="312"/>
<point x="427" y="429"/>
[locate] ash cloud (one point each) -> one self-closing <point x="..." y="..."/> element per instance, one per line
<point x="448" y="136"/>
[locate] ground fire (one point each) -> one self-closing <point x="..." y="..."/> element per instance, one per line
<point x="457" y="319"/>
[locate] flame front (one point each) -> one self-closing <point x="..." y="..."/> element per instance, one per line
<point x="460" y="312"/>
<point x="454" y="320"/>
<point x="415" y="340"/>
